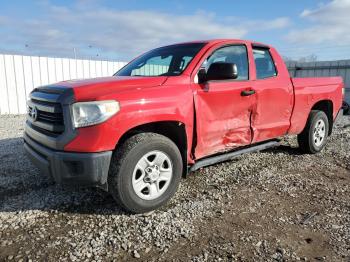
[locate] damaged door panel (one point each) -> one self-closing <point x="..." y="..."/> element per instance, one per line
<point x="223" y="116"/>
<point x="224" y="106"/>
<point x="274" y="97"/>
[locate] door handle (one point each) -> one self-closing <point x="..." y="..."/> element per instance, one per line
<point x="247" y="92"/>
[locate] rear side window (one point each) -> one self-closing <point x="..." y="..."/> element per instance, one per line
<point x="265" y="67"/>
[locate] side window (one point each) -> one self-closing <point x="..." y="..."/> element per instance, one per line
<point x="264" y="64"/>
<point x="236" y="54"/>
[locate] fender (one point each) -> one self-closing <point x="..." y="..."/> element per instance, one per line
<point x="142" y="106"/>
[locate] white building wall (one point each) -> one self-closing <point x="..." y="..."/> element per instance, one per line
<point x="21" y="74"/>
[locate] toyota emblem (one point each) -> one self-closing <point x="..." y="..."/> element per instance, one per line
<point x="34" y="114"/>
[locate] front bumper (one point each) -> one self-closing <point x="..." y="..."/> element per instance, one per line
<point x="83" y="169"/>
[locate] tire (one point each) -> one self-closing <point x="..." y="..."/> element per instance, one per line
<point x="346" y="109"/>
<point x="314" y="136"/>
<point x="137" y="180"/>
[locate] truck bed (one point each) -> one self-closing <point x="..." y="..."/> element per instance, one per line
<point x="308" y="91"/>
<point x="299" y="82"/>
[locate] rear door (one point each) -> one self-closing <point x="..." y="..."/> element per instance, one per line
<point x="222" y="113"/>
<point x="274" y="95"/>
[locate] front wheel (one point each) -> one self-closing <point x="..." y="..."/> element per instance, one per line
<point x="145" y="172"/>
<point x="314" y="136"/>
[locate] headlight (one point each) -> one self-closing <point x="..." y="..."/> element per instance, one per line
<point x="93" y="113"/>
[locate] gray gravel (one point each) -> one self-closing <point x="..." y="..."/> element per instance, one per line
<point x="275" y="205"/>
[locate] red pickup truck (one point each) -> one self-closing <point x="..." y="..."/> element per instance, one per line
<point x="171" y="111"/>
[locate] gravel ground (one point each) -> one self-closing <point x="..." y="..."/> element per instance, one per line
<point x="270" y="206"/>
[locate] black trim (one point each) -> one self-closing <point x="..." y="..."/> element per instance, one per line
<point x="247" y="92"/>
<point x="44" y="106"/>
<point x="68" y="168"/>
<point x="45" y="126"/>
<point x="233" y="154"/>
<point x="260" y="46"/>
<point x="53" y="94"/>
<point x="49" y="132"/>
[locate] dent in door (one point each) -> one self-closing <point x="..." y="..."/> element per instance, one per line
<point x="219" y="130"/>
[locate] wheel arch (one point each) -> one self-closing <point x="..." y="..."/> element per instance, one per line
<point x="327" y="107"/>
<point x="174" y="130"/>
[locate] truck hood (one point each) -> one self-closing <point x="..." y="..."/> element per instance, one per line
<point x="85" y="89"/>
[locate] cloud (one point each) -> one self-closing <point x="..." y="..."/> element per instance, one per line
<point x="278" y="23"/>
<point x="121" y="33"/>
<point x="329" y="23"/>
<point x="261" y="25"/>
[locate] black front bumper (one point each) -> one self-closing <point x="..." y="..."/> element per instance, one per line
<point x="83" y="169"/>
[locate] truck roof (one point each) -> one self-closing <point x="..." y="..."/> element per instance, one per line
<point x="221" y="40"/>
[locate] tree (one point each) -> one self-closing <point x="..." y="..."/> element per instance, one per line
<point x="310" y="58"/>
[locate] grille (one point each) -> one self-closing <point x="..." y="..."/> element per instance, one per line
<point x="45" y="116"/>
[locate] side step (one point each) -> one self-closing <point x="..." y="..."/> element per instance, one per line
<point x="230" y="155"/>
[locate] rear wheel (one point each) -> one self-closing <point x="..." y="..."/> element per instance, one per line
<point x="145" y="172"/>
<point x="314" y="136"/>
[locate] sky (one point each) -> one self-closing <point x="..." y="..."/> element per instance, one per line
<point x="121" y="30"/>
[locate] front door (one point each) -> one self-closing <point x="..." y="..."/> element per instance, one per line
<point x="223" y="110"/>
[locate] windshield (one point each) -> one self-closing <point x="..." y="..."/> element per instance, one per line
<point x="165" y="61"/>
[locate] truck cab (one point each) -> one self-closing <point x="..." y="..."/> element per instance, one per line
<point x="172" y="110"/>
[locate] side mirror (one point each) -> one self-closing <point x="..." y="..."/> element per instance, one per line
<point x="202" y="75"/>
<point x="222" y="71"/>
